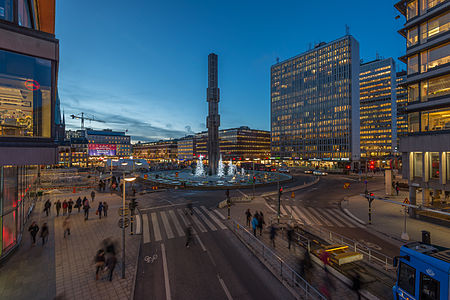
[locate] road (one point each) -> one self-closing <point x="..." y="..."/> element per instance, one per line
<point x="215" y="266"/>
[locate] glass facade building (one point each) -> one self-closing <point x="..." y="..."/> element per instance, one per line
<point x="378" y="108"/>
<point x="426" y="148"/>
<point x="315" y="103"/>
<point x="402" y="100"/>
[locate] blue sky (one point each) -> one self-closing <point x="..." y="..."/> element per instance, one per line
<point x="141" y="66"/>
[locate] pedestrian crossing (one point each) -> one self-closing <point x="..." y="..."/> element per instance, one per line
<point x="330" y="217"/>
<point x="170" y="224"/>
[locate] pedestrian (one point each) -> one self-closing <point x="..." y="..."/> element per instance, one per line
<point x="85" y="200"/>
<point x="66" y="226"/>
<point x="105" y="209"/>
<point x="47" y="206"/>
<point x="33" y="229"/>
<point x="86" y="209"/>
<point x="100" y="186"/>
<point x="397" y="187"/>
<point x="64" y="206"/>
<point x="290" y="235"/>
<point x="44" y="233"/>
<point x="99" y="262"/>
<point x="261" y="222"/>
<point x="273" y="233"/>
<point x="254" y="224"/>
<point x="58" y="207"/>
<point x="99" y="210"/>
<point x="78" y="205"/>
<point x="111" y="262"/>
<point x="305" y="265"/>
<point x="248" y="214"/>
<point x="188" y="236"/>
<point x="325" y="258"/>
<point x="356" y="286"/>
<point x="93" y="195"/>
<point x="69" y="206"/>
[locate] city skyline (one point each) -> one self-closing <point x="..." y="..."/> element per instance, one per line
<point x="143" y="69"/>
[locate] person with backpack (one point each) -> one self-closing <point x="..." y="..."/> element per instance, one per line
<point x="33" y="229"/>
<point x="99" y="210"/>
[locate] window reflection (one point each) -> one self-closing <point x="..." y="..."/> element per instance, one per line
<point x="413" y="37"/>
<point x="417" y="164"/>
<point x="6" y="10"/>
<point x="413" y="64"/>
<point x="411" y="10"/>
<point x="24" y="13"/>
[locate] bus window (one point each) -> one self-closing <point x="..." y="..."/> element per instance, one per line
<point x="407" y="278"/>
<point x="429" y="288"/>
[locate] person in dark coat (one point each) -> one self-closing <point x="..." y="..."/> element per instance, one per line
<point x="86" y="208"/>
<point x="100" y="209"/>
<point x="33" y="229"/>
<point x="44" y="233"/>
<point x="356" y="286"/>
<point x="111" y="262"/>
<point x="58" y="207"/>
<point x="273" y="233"/>
<point x="290" y="236"/>
<point x="105" y="209"/>
<point x="248" y="215"/>
<point x="64" y="206"/>
<point x="78" y="205"/>
<point x="261" y="222"/>
<point x="93" y="195"/>
<point x="99" y="262"/>
<point x="69" y="206"/>
<point x="47" y="206"/>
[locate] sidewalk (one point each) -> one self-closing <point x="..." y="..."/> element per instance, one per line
<point x="64" y="268"/>
<point x="388" y="219"/>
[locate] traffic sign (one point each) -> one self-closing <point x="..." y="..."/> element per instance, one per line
<point x="406" y="201"/>
<point x="346" y="185"/>
<point x="145" y="176"/>
<point x="292" y="195"/>
<point x="127" y="222"/>
<point x="121" y="211"/>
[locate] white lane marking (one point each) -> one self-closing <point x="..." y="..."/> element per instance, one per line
<point x="290" y="209"/>
<point x="302" y="215"/>
<point x="283" y="211"/>
<point x="181" y="214"/>
<point x="205" y="219"/>
<point x="200" y="241"/>
<point x="213" y="217"/>
<point x="198" y="223"/>
<point x="165" y="206"/>
<point x="340" y="213"/>
<point x="166" y="272"/>
<point x="271" y="208"/>
<point x="332" y="217"/>
<point x="311" y="216"/>
<point x="227" y="292"/>
<point x="219" y="214"/>
<point x="156" y="230"/>
<point x="344" y="220"/>
<point x="138" y="224"/>
<point x="177" y="224"/>
<point x="169" y="231"/>
<point x="146" y="229"/>
<point x="320" y="217"/>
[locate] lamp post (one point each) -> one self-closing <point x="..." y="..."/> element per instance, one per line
<point x="124" y="181"/>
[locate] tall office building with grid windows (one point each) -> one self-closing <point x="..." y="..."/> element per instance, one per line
<point x="315" y="104"/>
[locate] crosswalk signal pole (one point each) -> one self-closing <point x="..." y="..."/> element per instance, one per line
<point x="370" y="199"/>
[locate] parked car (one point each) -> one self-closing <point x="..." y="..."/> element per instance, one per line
<point x="309" y="171"/>
<point x="320" y="173"/>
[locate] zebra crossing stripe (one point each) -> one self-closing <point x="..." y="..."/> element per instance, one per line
<point x="146" y="229"/>
<point x="219" y="214"/>
<point x="177" y="224"/>
<point x="169" y="231"/>
<point x="340" y="213"/>
<point x="283" y="212"/>
<point x="155" y="224"/>
<point x="320" y="217"/>
<point x="303" y="216"/>
<point x="181" y="214"/>
<point x="311" y="216"/>
<point x="294" y="214"/>
<point x="213" y="217"/>
<point x="332" y="218"/>
<point x="198" y="223"/>
<point x="203" y="217"/>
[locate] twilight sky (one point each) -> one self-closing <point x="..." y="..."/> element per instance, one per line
<point x="142" y="65"/>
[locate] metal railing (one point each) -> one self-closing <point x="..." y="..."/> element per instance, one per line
<point x="288" y="274"/>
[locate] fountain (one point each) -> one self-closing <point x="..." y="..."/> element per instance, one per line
<point x="242" y="172"/>
<point x="231" y="169"/>
<point x="220" y="168"/>
<point x="200" y="170"/>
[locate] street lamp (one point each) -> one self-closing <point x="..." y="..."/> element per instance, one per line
<point x="125" y="180"/>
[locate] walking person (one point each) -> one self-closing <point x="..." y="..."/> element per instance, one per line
<point x="105" y="209"/>
<point x="397" y="187"/>
<point x="261" y="222"/>
<point x="86" y="208"/>
<point x="33" y="229"/>
<point x="44" y="233"/>
<point x="254" y="224"/>
<point x="64" y="206"/>
<point x="273" y="233"/>
<point x="58" y="207"/>
<point x="111" y="262"/>
<point x="305" y="265"/>
<point x="99" y="210"/>
<point x="290" y="235"/>
<point x="188" y="236"/>
<point x="69" y="206"/>
<point x="78" y="205"/>
<point x="99" y="262"/>
<point x="47" y="206"/>
<point x="248" y="214"/>
<point x="356" y="285"/>
<point x="66" y="226"/>
<point x="93" y="195"/>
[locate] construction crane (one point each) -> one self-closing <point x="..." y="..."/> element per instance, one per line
<point x="82" y="117"/>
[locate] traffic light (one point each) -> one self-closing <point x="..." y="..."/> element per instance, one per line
<point x="347" y="167"/>
<point x="371" y="164"/>
<point x="280" y="191"/>
<point x="254" y="179"/>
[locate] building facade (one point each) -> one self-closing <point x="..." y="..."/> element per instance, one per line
<point x="402" y="101"/>
<point x="315" y="104"/>
<point x="28" y="76"/>
<point x="186" y="149"/>
<point x="426" y="148"/>
<point x="109" y="137"/>
<point x="157" y="152"/>
<point x="378" y="109"/>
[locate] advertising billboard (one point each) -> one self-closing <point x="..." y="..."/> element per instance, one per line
<point x="101" y="150"/>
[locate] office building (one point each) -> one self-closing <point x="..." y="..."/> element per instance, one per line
<point x="315" y="104"/>
<point x="157" y="152"/>
<point x="378" y="109"/>
<point x="426" y="148"/>
<point x="186" y="149"/>
<point x="28" y="77"/>
<point x="402" y="101"/>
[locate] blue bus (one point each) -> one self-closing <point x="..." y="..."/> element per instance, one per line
<point x="423" y="272"/>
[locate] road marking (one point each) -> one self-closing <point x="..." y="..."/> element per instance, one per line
<point x="198" y="223"/>
<point x="296" y="217"/>
<point x="283" y="211"/>
<point x="181" y="214"/>
<point x="156" y="230"/>
<point x="205" y="219"/>
<point x="219" y="214"/>
<point x="311" y="216"/>
<point x="164" y="206"/>
<point x="270" y="207"/>
<point x="302" y="215"/>
<point x="344" y="220"/>
<point x="332" y="218"/>
<point x="138" y="224"/>
<point x="338" y="212"/>
<point x="146" y="229"/>
<point x="199" y="241"/>
<point x="227" y="292"/>
<point x="169" y="231"/>
<point x="166" y="272"/>
<point x="213" y="217"/>
<point x="177" y="224"/>
<point x="320" y="217"/>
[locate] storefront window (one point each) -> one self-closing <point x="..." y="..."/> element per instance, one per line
<point x="418" y="164"/>
<point x="413" y="64"/>
<point x="9" y="188"/>
<point x="6" y="10"/>
<point x="434" y="165"/>
<point x="434" y="27"/>
<point x="434" y="57"/>
<point x="413" y="92"/>
<point x="9" y="230"/>
<point x="24" y="13"/>
<point x="25" y="95"/>
<point x="413" y="122"/>
<point x="411" y="10"/>
<point x="436" y="87"/>
<point x="434" y="120"/>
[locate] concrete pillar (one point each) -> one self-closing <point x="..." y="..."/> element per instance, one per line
<point x="388" y="182"/>
<point x="426" y="166"/>
<point x="419" y="197"/>
<point x="412" y="200"/>
<point x="443" y="167"/>
<point x="425" y="196"/>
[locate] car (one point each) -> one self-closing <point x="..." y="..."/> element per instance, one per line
<point x="283" y="170"/>
<point x="319" y="173"/>
<point x="309" y="171"/>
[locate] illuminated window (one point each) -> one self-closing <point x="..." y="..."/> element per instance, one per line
<point x="413" y="64"/>
<point x="417" y="164"/>
<point x="412" y="37"/>
<point x="434" y="164"/>
<point x="435" y="87"/>
<point x="435" y="120"/>
<point x="435" y="26"/>
<point x="425" y="5"/>
<point x="413" y="122"/>
<point x="411" y="10"/>
<point x="434" y="57"/>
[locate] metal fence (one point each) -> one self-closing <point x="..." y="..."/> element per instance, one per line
<point x="289" y="275"/>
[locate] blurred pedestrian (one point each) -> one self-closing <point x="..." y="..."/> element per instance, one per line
<point x="47" y="206"/>
<point x="86" y="208"/>
<point x="58" y="207"/>
<point x="261" y="222"/>
<point x="93" y="195"/>
<point x="99" y="262"/>
<point x="78" y="204"/>
<point x="305" y="265"/>
<point x="273" y="234"/>
<point x="325" y="258"/>
<point x="254" y="224"/>
<point x="111" y="262"/>
<point x="33" y="229"/>
<point x="66" y="226"/>
<point x="356" y="286"/>
<point x="64" y="206"/>
<point x="188" y="236"/>
<point x="44" y="233"/>
<point x="397" y="187"/>
<point x="248" y="215"/>
<point x="99" y="210"/>
<point x="105" y="209"/>
<point x="290" y="236"/>
<point x="69" y="206"/>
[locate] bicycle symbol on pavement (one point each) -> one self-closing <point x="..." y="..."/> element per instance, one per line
<point x="151" y="259"/>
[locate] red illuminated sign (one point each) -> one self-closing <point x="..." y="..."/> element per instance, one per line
<point x="32" y="85"/>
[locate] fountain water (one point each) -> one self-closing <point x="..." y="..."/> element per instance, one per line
<point x="242" y="172"/>
<point x="200" y="170"/>
<point x="231" y="169"/>
<point x="220" y="168"/>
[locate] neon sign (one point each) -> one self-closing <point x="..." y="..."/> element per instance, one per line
<point x="32" y="85"/>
